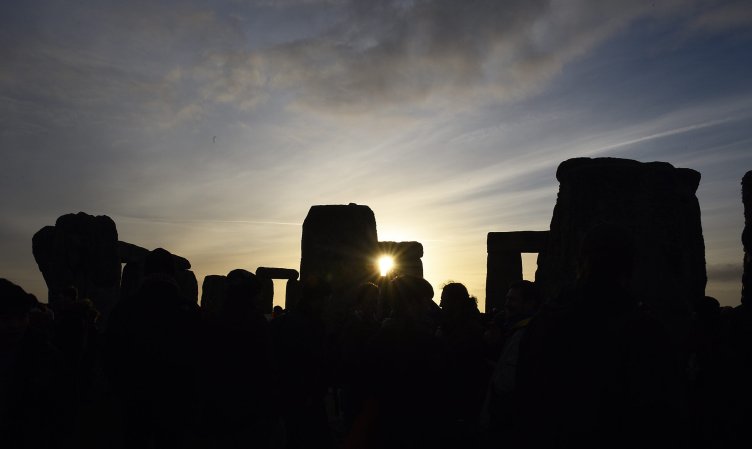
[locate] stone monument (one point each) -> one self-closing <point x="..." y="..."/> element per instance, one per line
<point x="656" y="202"/>
<point x="265" y="276"/>
<point x="504" y="264"/>
<point x="80" y="250"/>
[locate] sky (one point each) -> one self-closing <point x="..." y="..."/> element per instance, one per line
<point x="209" y="128"/>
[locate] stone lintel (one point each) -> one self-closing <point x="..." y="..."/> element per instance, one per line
<point x="130" y="253"/>
<point x="277" y="273"/>
<point x="406" y="250"/>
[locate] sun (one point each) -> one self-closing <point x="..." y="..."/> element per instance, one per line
<point x="386" y="263"/>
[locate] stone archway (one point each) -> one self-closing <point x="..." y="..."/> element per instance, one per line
<point x="504" y="264"/>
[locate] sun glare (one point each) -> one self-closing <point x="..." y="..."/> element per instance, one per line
<point x="385" y="264"/>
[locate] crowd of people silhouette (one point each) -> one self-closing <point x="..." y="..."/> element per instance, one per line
<point x="589" y="368"/>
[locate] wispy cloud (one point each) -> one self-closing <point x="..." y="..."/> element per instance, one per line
<point x="667" y="133"/>
<point x="387" y="52"/>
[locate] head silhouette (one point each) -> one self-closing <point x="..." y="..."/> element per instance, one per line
<point x="456" y="301"/>
<point x="523" y="300"/>
<point x="408" y="296"/>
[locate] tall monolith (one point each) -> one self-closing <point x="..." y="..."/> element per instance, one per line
<point x="213" y="292"/>
<point x="656" y="202"/>
<point x="339" y="246"/>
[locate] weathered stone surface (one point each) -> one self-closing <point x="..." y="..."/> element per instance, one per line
<point x="406" y="255"/>
<point x="276" y="273"/>
<point x="213" y="292"/>
<point x="656" y="202"/>
<point x="504" y="264"/>
<point x="747" y="238"/>
<point x="81" y="250"/>
<point x="339" y="245"/>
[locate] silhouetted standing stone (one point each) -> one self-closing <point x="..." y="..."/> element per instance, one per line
<point x="213" y="293"/>
<point x="656" y="202"/>
<point x="266" y="294"/>
<point x="81" y="250"/>
<point x="293" y="293"/>
<point x="747" y="238"/>
<point x="737" y="336"/>
<point x="339" y="245"/>
<point x="406" y="256"/>
<point x="504" y="264"/>
<point x="133" y="256"/>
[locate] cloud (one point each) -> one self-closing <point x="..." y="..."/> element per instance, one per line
<point x="718" y="16"/>
<point x="725" y="272"/>
<point x="400" y="52"/>
<point x="387" y="52"/>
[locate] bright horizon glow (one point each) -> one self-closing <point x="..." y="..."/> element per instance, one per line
<point x="386" y="263"/>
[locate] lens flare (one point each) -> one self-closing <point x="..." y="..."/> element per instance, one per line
<point x="386" y="263"/>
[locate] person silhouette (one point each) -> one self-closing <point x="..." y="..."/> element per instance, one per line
<point x="502" y="398"/>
